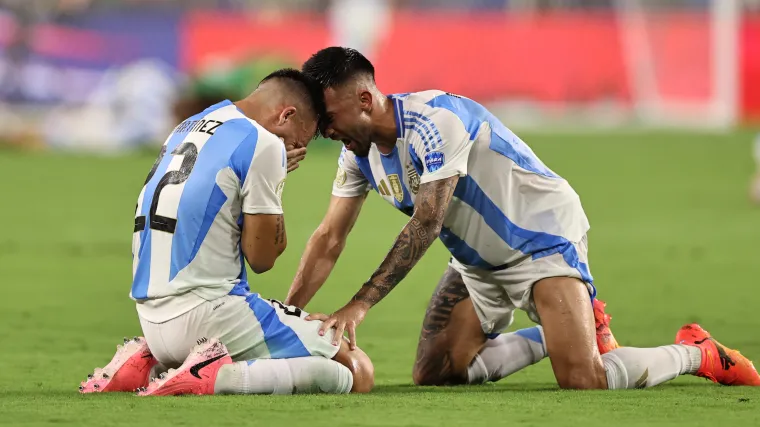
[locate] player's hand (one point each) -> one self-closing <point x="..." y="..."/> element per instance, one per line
<point x="317" y="316"/>
<point x="345" y="319"/>
<point x="294" y="156"/>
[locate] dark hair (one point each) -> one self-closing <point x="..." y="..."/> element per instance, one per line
<point x="307" y="88"/>
<point x="334" y="66"/>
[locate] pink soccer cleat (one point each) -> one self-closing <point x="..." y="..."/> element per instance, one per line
<point x="196" y="376"/>
<point x="128" y="370"/>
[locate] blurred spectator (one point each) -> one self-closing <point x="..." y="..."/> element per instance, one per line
<point x="67" y="62"/>
<point x="130" y="106"/>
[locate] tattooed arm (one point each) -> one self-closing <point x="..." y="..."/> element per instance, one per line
<point x="263" y="240"/>
<point x="416" y="237"/>
<point x="445" y="150"/>
<point x="420" y="232"/>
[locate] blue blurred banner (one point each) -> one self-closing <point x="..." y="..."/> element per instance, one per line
<point x="65" y="60"/>
<point x="121" y="73"/>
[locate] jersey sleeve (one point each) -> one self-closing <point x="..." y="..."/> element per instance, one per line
<point x="261" y="191"/>
<point x="349" y="180"/>
<point x="441" y="143"/>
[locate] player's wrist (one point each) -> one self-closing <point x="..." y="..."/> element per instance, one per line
<point x="362" y="302"/>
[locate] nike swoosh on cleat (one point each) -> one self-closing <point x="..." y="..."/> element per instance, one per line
<point x="194" y="371"/>
<point x="726" y="362"/>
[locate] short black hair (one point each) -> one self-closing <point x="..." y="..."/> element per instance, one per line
<point x="333" y="66"/>
<point x="307" y="88"/>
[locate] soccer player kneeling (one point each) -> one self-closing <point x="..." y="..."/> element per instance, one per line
<point x="516" y="232"/>
<point x="212" y="201"/>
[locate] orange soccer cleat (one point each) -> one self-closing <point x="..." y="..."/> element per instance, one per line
<point x="604" y="338"/>
<point x="720" y="364"/>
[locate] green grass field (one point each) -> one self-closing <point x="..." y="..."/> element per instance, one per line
<point x="673" y="240"/>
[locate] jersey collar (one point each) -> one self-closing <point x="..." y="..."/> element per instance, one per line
<point x="398" y="107"/>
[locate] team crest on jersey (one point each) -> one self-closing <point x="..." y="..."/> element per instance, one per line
<point x="398" y="190"/>
<point x="413" y="177"/>
<point x="434" y="161"/>
<point x="340" y="177"/>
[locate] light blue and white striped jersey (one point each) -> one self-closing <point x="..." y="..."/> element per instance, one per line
<point x="214" y="167"/>
<point x="507" y="205"/>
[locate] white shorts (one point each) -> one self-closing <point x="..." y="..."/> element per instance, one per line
<point x="496" y="294"/>
<point x="251" y="327"/>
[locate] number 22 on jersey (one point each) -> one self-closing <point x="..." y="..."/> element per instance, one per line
<point x="175" y="177"/>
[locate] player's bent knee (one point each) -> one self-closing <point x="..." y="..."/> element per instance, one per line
<point x="436" y="380"/>
<point x="425" y="370"/>
<point x="428" y="375"/>
<point x="444" y="362"/>
<point x="439" y="370"/>
<point x="583" y="377"/>
<point x="364" y="372"/>
<point x="567" y="316"/>
<point x="422" y="375"/>
<point x="360" y="366"/>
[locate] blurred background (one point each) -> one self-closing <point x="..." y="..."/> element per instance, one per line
<point x="648" y="107"/>
<point x="118" y="74"/>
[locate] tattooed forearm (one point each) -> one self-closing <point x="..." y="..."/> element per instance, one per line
<point x="410" y="245"/>
<point x="279" y="231"/>
<point x="416" y="237"/>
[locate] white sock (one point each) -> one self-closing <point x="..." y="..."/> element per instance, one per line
<point x="629" y="367"/>
<point x="284" y="376"/>
<point x="507" y="354"/>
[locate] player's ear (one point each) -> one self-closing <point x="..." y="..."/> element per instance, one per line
<point x="365" y="98"/>
<point x="286" y="115"/>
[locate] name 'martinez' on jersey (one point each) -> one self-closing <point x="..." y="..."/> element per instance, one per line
<point x="213" y="168"/>
<point x="507" y="204"/>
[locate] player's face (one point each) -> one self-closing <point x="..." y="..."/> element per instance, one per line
<point x="296" y="129"/>
<point x="349" y="120"/>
